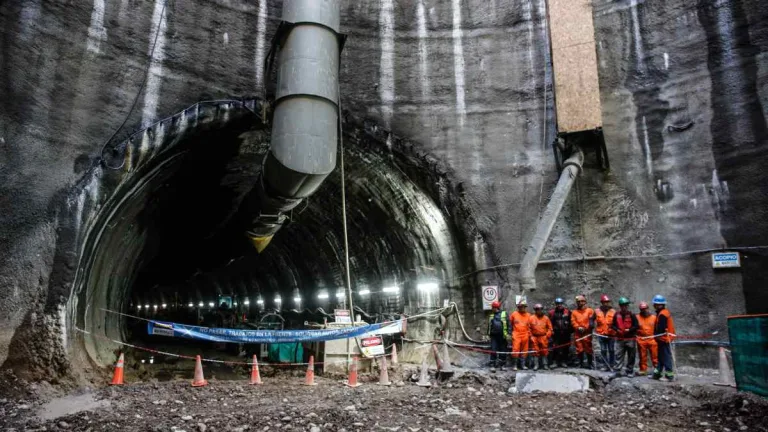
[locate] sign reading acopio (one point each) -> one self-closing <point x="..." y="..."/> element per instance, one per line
<point x="726" y="260"/>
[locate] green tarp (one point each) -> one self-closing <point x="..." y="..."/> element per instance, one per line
<point x="286" y="352"/>
<point x="749" y="350"/>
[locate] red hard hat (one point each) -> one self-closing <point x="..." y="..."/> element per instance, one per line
<point x="496" y="305"/>
<point x="643" y="305"/>
<point x="604" y="298"/>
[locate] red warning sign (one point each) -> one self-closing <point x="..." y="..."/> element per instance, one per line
<point x="372" y="346"/>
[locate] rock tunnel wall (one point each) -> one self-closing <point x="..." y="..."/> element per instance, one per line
<point x="467" y="86"/>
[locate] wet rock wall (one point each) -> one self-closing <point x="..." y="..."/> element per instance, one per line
<point x="466" y="82"/>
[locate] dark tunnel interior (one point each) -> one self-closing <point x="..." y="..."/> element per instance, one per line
<point x="172" y="247"/>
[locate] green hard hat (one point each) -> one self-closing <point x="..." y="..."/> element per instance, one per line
<point x="623" y="301"/>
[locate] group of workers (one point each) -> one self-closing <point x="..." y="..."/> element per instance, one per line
<point x="548" y="337"/>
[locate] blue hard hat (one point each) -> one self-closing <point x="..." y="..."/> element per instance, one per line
<point x="659" y="299"/>
<point x="559" y="300"/>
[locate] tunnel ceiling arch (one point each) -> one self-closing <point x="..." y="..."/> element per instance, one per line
<point x="166" y="227"/>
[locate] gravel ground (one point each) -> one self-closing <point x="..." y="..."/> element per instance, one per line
<point x="470" y="402"/>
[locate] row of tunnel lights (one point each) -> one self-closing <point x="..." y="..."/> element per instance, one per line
<point x="427" y="287"/>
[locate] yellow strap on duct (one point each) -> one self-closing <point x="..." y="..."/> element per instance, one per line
<point x="260" y="243"/>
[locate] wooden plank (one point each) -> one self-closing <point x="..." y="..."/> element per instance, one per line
<point x="577" y="87"/>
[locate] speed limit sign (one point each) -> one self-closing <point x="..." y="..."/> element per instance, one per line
<point x="490" y="295"/>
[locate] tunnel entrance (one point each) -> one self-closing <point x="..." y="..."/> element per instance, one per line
<point x="159" y="238"/>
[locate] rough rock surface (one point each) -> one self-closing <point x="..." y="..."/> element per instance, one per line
<point x="284" y="404"/>
<point x="464" y="87"/>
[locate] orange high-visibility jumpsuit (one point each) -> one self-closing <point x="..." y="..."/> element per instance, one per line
<point x="603" y="322"/>
<point x="521" y="332"/>
<point x="541" y="331"/>
<point x="582" y="318"/>
<point x="645" y="343"/>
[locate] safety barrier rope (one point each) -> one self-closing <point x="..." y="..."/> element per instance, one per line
<point x="155" y="351"/>
<point x="404" y="318"/>
<point x="208" y="360"/>
<point x="554" y="347"/>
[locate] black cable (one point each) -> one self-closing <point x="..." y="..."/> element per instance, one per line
<point x="138" y="93"/>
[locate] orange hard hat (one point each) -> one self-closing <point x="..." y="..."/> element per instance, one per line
<point x="496" y="305"/>
<point x="604" y="298"/>
<point x="643" y="305"/>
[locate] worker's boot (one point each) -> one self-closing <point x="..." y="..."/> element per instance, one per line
<point x="516" y="363"/>
<point x="525" y="363"/>
<point x="590" y="364"/>
<point x="581" y="360"/>
<point x="545" y="363"/>
<point x="536" y="362"/>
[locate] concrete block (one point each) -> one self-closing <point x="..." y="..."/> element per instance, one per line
<point x="527" y="382"/>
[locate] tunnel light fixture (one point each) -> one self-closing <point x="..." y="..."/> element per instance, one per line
<point x="235" y="303"/>
<point x="146" y="306"/>
<point x="154" y="306"/>
<point x="211" y="304"/>
<point x="322" y="295"/>
<point x="364" y="292"/>
<point x="165" y="305"/>
<point x="138" y="307"/>
<point x="201" y="304"/>
<point x="247" y="302"/>
<point x="391" y="289"/>
<point x="278" y="300"/>
<point x="427" y="286"/>
<point x="191" y="305"/>
<point x="340" y="294"/>
<point x="260" y="301"/>
<point x="297" y="299"/>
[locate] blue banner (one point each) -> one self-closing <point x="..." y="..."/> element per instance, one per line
<point x="259" y="336"/>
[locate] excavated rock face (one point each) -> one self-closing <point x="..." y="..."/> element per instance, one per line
<point x="448" y="119"/>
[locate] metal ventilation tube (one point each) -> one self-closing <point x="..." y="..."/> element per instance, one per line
<point x="571" y="169"/>
<point x="306" y="115"/>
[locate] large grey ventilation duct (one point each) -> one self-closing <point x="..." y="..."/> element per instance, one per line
<point x="306" y="114"/>
<point x="571" y="169"/>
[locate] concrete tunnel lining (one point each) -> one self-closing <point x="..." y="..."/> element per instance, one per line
<point x="399" y="222"/>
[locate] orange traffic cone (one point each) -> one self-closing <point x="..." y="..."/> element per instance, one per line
<point x="394" y="354"/>
<point x="352" y="382"/>
<point x="310" y="379"/>
<point x="383" y="372"/>
<point x="199" y="380"/>
<point x="255" y="376"/>
<point x="117" y="378"/>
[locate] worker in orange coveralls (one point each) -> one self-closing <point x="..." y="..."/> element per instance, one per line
<point x="583" y="321"/>
<point x="664" y="331"/>
<point x="541" y="331"/>
<point x="603" y="319"/>
<point x="521" y="333"/>
<point x="645" y="340"/>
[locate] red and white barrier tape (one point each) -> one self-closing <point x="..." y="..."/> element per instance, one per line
<point x="554" y="347"/>
<point x="228" y="362"/>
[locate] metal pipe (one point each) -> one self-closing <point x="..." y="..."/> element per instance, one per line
<point x="571" y="169"/>
<point x="305" y="121"/>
